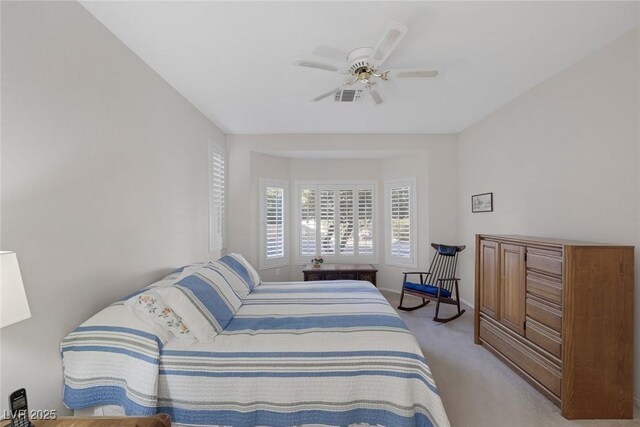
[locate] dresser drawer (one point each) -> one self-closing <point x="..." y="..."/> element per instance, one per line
<point x="544" y="337"/>
<point x="544" y="312"/>
<point x="537" y="366"/>
<point x="544" y="286"/>
<point x="546" y="261"/>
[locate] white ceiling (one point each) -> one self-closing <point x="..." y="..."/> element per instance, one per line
<point x="233" y="60"/>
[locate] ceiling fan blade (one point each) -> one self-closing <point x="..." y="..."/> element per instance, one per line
<point x="376" y="95"/>
<point x="392" y="35"/>
<point x="347" y="82"/>
<point x="329" y="92"/>
<point x="408" y="74"/>
<point x="317" y="65"/>
<point x="330" y="53"/>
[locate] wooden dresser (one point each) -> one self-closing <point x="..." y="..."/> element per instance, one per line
<point x="560" y="313"/>
<point x="340" y="272"/>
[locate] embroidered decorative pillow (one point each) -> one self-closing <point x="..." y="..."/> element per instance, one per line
<point x="206" y="305"/>
<point x="242" y="269"/>
<point x="151" y="307"/>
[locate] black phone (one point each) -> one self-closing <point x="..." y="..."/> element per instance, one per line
<point x="19" y="409"/>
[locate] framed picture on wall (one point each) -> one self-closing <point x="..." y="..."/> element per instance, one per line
<point x="482" y="202"/>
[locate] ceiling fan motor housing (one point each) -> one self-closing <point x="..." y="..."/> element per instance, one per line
<point x="358" y="60"/>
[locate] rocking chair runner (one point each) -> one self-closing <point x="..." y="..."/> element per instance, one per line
<point x="438" y="284"/>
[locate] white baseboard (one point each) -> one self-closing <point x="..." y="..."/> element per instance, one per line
<point x="467" y="303"/>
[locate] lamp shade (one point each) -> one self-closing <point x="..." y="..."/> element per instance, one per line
<point x="13" y="300"/>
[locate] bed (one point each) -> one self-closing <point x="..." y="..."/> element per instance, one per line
<point x="295" y="353"/>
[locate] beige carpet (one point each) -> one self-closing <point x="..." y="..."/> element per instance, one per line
<point x="478" y="390"/>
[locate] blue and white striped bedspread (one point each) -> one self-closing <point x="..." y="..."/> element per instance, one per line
<point x="112" y="358"/>
<point x="309" y="353"/>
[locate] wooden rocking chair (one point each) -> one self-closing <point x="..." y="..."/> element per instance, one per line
<point x="438" y="284"/>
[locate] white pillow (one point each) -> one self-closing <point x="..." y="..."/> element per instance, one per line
<point x="220" y="282"/>
<point x="198" y="324"/>
<point x="257" y="280"/>
<point x="242" y="269"/>
<point x="205" y="303"/>
<point x="183" y="272"/>
<point x="218" y="271"/>
<point x="152" y="308"/>
<point x="169" y="279"/>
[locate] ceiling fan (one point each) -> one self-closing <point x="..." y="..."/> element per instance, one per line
<point x="364" y="65"/>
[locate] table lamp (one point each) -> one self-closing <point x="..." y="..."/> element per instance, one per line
<point x="13" y="300"/>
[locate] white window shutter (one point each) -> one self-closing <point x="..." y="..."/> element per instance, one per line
<point x="365" y="222"/>
<point x="347" y="223"/>
<point x="274" y="205"/>
<point x="401" y="223"/>
<point x="337" y="221"/>
<point x="327" y="222"/>
<point x="217" y="197"/>
<point x="308" y="223"/>
<point x="273" y="230"/>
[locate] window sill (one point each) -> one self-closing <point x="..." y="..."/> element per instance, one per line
<point x="401" y="264"/>
<point x="375" y="261"/>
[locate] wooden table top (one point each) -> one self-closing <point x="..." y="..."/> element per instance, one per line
<point x="341" y="267"/>
<point x="160" y="420"/>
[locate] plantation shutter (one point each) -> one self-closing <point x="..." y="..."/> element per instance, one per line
<point x="327" y="222"/>
<point x="400" y="222"/>
<point x="308" y="222"/>
<point x="337" y="221"/>
<point x="274" y="204"/>
<point x="274" y="251"/>
<point x="365" y="222"/>
<point x="347" y="225"/>
<point x="217" y="182"/>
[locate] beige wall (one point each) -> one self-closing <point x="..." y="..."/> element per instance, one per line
<point x="431" y="158"/>
<point x="562" y="160"/>
<point x="104" y="180"/>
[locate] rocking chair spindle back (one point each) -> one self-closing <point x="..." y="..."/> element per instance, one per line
<point x="438" y="283"/>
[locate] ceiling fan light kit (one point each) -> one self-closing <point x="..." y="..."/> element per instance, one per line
<point x="363" y="66"/>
